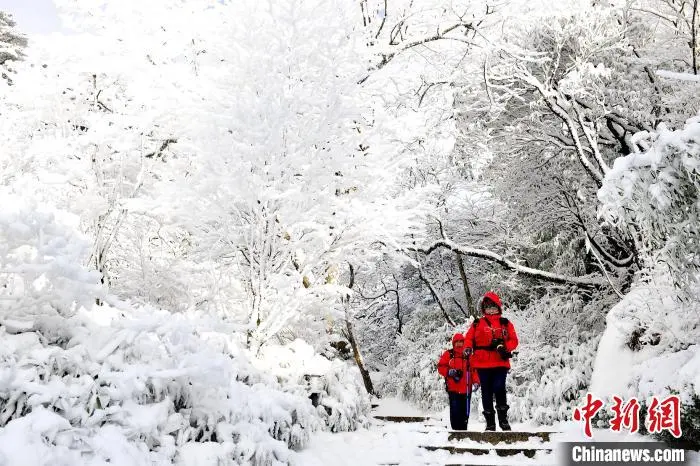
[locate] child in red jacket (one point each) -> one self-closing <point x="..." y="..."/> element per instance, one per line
<point x="492" y="338"/>
<point x="453" y="365"/>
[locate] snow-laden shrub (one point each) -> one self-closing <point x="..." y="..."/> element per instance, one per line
<point x="411" y="365"/>
<point x="546" y="382"/>
<point x="656" y="194"/>
<point x="41" y="263"/>
<point x="558" y="338"/>
<point x="153" y="379"/>
<point x="650" y="343"/>
<point x="124" y="385"/>
<point x="343" y="401"/>
<point x="650" y="348"/>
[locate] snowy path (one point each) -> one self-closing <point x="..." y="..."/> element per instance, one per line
<point x="401" y="443"/>
<point x="395" y="443"/>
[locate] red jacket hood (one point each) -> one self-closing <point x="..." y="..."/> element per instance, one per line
<point x="490" y="295"/>
<point x="457" y="337"/>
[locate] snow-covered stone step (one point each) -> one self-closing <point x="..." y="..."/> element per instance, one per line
<point x="403" y="418"/>
<point x="529" y="452"/>
<point x="500" y="464"/>
<point x="498" y="437"/>
<point x="467" y="464"/>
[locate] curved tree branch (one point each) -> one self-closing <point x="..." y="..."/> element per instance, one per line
<point x="439" y="35"/>
<point x="576" y="211"/>
<point x="585" y="282"/>
<point x="605" y="272"/>
<point x="562" y="114"/>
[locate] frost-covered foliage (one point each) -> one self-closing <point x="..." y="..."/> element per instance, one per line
<point x="650" y="342"/>
<point x="154" y="383"/>
<point x="412" y="361"/>
<point x="12" y="44"/>
<point x="657" y="193"/>
<point x="650" y="348"/>
<point x="342" y="399"/>
<point x="41" y="259"/>
<point x="558" y="339"/>
<point x="122" y="384"/>
<point x="213" y="170"/>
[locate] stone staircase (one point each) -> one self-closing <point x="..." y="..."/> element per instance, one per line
<point x="446" y="447"/>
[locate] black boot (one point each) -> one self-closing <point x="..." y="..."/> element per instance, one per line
<point x="490" y="420"/>
<point x="503" y="417"/>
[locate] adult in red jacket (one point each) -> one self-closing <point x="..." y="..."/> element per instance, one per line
<point x="453" y="365"/>
<point x="492" y="338"/>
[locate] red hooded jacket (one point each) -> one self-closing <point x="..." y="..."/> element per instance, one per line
<point x="490" y="327"/>
<point x="452" y="359"/>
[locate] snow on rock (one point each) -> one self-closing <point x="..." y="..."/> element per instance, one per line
<point x="343" y="400"/>
<point x="391" y="406"/>
<point x="678" y="76"/>
<point x="648" y="345"/>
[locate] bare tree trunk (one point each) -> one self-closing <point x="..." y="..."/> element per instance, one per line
<point x="398" y="314"/>
<point x="465" y="284"/>
<point x="694" y="36"/>
<point x="353" y="343"/>
<point x="398" y="306"/>
<point x="358" y="358"/>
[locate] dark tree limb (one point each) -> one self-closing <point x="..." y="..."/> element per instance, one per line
<point x="462" y="275"/>
<point x="439" y="35"/>
<point x="584" y="282"/>
<point x="460" y="307"/>
<point x="101" y="105"/>
<point x="350" y="335"/>
<point x="381" y="26"/>
<point x="437" y="299"/>
<point x="576" y="211"/>
<point x="163" y="146"/>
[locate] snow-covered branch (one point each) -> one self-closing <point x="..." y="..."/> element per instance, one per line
<point x="440" y="34"/>
<point x="499" y="259"/>
<point x="562" y="114"/>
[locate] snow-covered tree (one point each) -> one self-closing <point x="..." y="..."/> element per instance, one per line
<point x="657" y="191"/>
<point x="12" y="44"/>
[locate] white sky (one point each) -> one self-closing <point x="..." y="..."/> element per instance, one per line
<point x="33" y="16"/>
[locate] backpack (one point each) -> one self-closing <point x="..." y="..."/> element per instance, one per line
<point x="504" y="324"/>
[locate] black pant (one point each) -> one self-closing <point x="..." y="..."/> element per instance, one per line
<point x="493" y="383"/>
<point x="458" y="410"/>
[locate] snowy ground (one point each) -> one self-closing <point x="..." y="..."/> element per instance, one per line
<point x="399" y="443"/>
<point x="391" y="442"/>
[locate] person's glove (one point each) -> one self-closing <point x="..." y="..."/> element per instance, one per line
<point x="452" y="373"/>
<point x="468" y="352"/>
<point x="496" y="342"/>
<point x="502" y="351"/>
